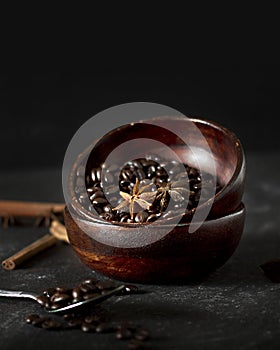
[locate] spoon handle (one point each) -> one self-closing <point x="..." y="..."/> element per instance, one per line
<point x="17" y="294"/>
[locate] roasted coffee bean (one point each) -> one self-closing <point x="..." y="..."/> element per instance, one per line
<point x="68" y="317"/>
<point x="49" y="292"/>
<point x="123" y="334"/>
<point x="126" y="175"/>
<point x="92" y="319"/>
<point x="142" y="334"/>
<point x="76" y="293"/>
<point x="90" y="281"/>
<point x="42" y="300"/>
<point x="135" y="345"/>
<point x="124" y="217"/>
<point x="90" y="295"/>
<point x="99" y="201"/>
<point x="32" y="318"/>
<point x="141" y="216"/>
<point x="62" y="289"/>
<point x="55" y="306"/>
<point x="130" y="288"/>
<point x="87" y="327"/>
<point x="153" y="217"/>
<point x="84" y="287"/>
<point x="107" y="216"/>
<point x="51" y="324"/>
<point x="104" y="327"/>
<point x="74" y="323"/>
<point x="97" y="194"/>
<point x="59" y="298"/>
<point x="108" y="208"/>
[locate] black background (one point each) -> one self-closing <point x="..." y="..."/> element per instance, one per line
<point x="41" y="110"/>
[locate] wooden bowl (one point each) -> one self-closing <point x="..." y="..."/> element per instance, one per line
<point x="178" y="255"/>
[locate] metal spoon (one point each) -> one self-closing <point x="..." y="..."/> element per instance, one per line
<point x="34" y="296"/>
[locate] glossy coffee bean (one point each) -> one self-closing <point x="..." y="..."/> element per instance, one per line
<point x="59" y="298"/>
<point x="31" y="318"/>
<point x="141" y="216"/>
<point x="51" y="324"/>
<point x="104" y="327"/>
<point x="42" y="300"/>
<point x="87" y="327"/>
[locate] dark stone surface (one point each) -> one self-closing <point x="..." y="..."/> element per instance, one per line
<point x="235" y="308"/>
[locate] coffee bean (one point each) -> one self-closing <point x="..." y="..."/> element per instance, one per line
<point x="141" y="216"/>
<point x="87" y="327"/>
<point x="76" y="293"/>
<point x="49" y="292"/>
<point x="42" y="300"/>
<point x="75" y="323"/>
<point x="90" y="296"/>
<point x="90" y="281"/>
<point x="51" y="324"/>
<point x="123" y="334"/>
<point x="130" y="289"/>
<point x="68" y="317"/>
<point x="55" y="306"/>
<point x="31" y="318"/>
<point x="92" y="319"/>
<point x="97" y="194"/>
<point x="107" y="216"/>
<point x="60" y="298"/>
<point x="104" y="327"/>
<point x="100" y="201"/>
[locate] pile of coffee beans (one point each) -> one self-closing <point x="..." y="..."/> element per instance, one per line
<point x="59" y="297"/>
<point x="170" y="181"/>
<point x="95" y="319"/>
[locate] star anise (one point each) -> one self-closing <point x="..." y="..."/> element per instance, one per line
<point x="138" y="196"/>
<point x="176" y="191"/>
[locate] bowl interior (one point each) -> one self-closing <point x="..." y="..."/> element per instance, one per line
<point x="217" y="144"/>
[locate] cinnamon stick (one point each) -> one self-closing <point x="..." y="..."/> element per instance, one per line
<point x="28" y="252"/>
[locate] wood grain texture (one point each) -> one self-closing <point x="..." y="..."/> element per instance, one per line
<point x="177" y="256"/>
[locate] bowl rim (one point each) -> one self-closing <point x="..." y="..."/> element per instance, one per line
<point x="224" y="190"/>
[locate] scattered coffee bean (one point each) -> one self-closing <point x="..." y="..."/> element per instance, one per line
<point x="98" y="321"/>
<point x="42" y="300"/>
<point x="87" y="327"/>
<point x="51" y="324"/>
<point x="104" y="327"/>
<point x="124" y="334"/>
<point x="31" y="318"/>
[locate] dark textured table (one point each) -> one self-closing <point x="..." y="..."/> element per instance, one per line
<point x="237" y="307"/>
